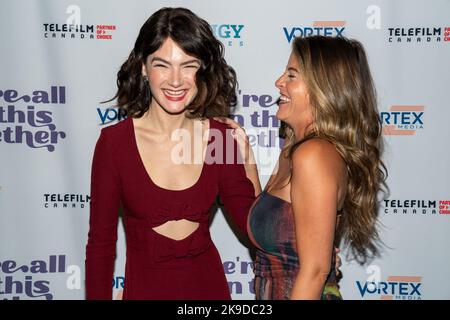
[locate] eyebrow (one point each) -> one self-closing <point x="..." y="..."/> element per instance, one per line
<point x="293" y="69"/>
<point x="182" y="64"/>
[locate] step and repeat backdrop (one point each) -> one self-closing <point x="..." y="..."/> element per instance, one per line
<point x="59" y="60"/>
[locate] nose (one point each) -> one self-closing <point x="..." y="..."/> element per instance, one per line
<point x="175" y="78"/>
<point x="279" y="83"/>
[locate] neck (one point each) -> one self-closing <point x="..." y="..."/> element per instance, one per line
<point x="300" y="132"/>
<point x="162" y="122"/>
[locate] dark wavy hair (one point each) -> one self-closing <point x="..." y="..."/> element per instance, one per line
<point x="344" y="105"/>
<point x="216" y="80"/>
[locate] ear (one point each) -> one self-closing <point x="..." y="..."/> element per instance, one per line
<point x="144" y="70"/>
<point x="308" y="98"/>
<point x="309" y="105"/>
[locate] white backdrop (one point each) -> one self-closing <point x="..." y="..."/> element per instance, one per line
<point x="53" y="76"/>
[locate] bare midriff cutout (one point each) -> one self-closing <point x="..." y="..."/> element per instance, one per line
<point x="177" y="229"/>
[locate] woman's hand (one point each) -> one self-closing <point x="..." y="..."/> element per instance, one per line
<point x="241" y="138"/>
<point x="245" y="150"/>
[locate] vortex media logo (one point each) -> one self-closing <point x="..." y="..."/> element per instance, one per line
<point x="394" y="288"/>
<point x="402" y="120"/>
<point x="319" y="28"/>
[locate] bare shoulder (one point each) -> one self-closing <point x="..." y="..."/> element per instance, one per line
<point x="319" y="156"/>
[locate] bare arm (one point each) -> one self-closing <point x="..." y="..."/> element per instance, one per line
<point x="317" y="174"/>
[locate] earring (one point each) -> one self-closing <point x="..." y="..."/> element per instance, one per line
<point x="146" y="88"/>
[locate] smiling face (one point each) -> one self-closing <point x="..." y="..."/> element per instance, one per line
<point x="294" y="107"/>
<point x="172" y="77"/>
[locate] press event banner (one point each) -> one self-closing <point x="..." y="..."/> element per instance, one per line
<point x="59" y="60"/>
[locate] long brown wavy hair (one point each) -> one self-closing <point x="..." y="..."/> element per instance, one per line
<point x="344" y="104"/>
<point x="216" y="80"/>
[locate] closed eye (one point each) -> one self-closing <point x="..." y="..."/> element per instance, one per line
<point x="292" y="72"/>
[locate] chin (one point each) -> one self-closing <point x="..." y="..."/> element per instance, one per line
<point x="171" y="107"/>
<point x="280" y="115"/>
<point x="174" y="109"/>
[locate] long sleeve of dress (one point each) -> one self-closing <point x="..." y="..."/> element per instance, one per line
<point x="102" y="237"/>
<point x="236" y="191"/>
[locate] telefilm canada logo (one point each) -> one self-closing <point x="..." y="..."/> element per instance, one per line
<point x="30" y="280"/>
<point x="318" y="28"/>
<point x="73" y="28"/>
<point x="27" y="118"/>
<point x="229" y="34"/>
<point x="394" y="288"/>
<point x="66" y="200"/>
<point x="403" y="120"/>
<point x="416" y="207"/>
<point x="73" y="31"/>
<point x="431" y="34"/>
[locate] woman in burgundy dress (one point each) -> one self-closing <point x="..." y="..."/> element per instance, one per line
<point x="166" y="164"/>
